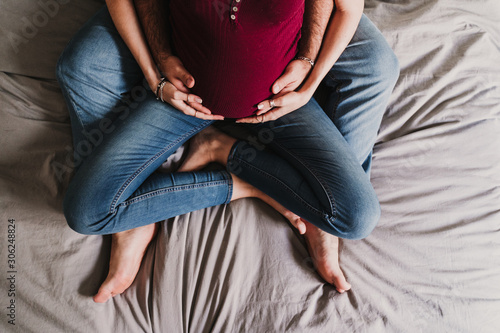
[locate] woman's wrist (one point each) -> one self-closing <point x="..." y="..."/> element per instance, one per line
<point x="153" y="77"/>
<point x="308" y="89"/>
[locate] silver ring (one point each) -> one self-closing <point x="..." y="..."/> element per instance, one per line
<point x="195" y="112"/>
<point x="272" y="104"/>
<point x="261" y="119"/>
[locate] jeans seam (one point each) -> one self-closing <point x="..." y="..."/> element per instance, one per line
<point x="337" y="92"/>
<point x="276" y="180"/>
<point x="314" y="173"/>
<point x="70" y="98"/>
<point x="151" y="160"/>
<point x="172" y="189"/>
<point x="230" y="187"/>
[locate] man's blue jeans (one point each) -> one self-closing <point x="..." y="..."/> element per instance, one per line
<point x="315" y="167"/>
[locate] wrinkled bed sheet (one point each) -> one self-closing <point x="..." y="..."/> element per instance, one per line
<point x="432" y="264"/>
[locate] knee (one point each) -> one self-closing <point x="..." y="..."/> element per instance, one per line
<point x="363" y="220"/>
<point x="356" y="219"/>
<point x="79" y="217"/>
<point x="383" y="63"/>
<point x="66" y="66"/>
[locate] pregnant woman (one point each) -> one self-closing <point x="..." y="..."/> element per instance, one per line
<point x="221" y="64"/>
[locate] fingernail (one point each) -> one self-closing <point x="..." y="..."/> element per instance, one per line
<point x="199" y="100"/>
<point x="260" y="106"/>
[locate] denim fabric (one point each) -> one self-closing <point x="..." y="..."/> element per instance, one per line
<point x="358" y="88"/>
<point x="122" y="135"/>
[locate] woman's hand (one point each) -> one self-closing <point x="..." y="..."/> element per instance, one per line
<point x="285" y="98"/>
<point x="176" y="91"/>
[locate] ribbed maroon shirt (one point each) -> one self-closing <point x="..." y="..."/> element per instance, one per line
<point x="235" y="49"/>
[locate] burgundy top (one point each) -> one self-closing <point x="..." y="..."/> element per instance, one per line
<point x="235" y="49"/>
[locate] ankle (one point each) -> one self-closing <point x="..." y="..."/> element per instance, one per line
<point x="222" y="148"/>
<point x="242" y="189"/>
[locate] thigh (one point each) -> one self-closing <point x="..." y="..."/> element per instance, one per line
<point x="356" y="91"/>
<point x="311" y="143"/>
<point x="99" y="77"/>
<point x="126" y="158"/>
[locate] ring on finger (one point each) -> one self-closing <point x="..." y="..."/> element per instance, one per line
<point x="261" y="119"/>
<point x="195" y="114"/>
<point x="272" y="104"/>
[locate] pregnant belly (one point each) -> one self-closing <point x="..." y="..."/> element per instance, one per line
<point x="233" y="89"/>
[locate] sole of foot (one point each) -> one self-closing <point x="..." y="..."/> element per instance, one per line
<point x="127" y="250"/>
<point x="324" y="251"/>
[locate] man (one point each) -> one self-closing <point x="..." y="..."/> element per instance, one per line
<point x="357" y="88"/>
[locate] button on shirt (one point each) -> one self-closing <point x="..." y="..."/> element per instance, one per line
<point x="235" y="49"/>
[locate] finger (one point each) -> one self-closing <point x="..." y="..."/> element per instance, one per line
<point x="188" y="80"/>
<point x="180" y="96"/>
<point x="265" y="106"/>
<point x="250" y="120"/>
<point x="195" y="102"/>
<point x="268" y="116"/>
<point x="200" y="108"/>
<point x="182" y="82"/>
<point x="301" y="227"/>
<point x="179" y="99"/>
<point x="179" y="85"/>
<point x="194" y="99"/>
<point x="208" y="116"/>
<point x="186" y="109"/>
<point x="290" y="87"/>
<point x="282" y="82"/>
<point x="184" y="76"/>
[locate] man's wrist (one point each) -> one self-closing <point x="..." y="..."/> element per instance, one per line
<point x="306" y="59"/>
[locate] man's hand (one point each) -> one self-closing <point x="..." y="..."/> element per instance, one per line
<point x="176" y="90"/>
<point x="285" y="98"/>
<point x="295" y="73"/>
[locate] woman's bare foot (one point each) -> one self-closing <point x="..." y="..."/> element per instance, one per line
<point x="127" y="250"/>
<point x="324" y="250"/>
<point x="210" y="145"/>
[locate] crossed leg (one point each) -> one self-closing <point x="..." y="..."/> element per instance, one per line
<point x="212" y="145"/>
<point x="138" y="239"/>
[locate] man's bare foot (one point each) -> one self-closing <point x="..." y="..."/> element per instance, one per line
<point x="210" y="145"/>
<point x="323" y="247"/>
<point x="324" y="250"/>
<point x="127" y="250"/>
<point x="293" y="218"/>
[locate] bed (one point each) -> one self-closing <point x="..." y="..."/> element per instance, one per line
<point x="431" y="265"/>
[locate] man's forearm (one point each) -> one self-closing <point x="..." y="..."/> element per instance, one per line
<point x="153" y="15"/>
<point x="316" y="16"/>
<point x="339" y="33"/>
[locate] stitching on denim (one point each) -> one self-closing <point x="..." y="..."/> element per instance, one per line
<point x="230" y="188"/>
<point x="172" y="189"/>
<point x="112" y="208"/>
<point x="67" y="93"/>
<point x="276" y="180"/>
<point x="314" y="173"/>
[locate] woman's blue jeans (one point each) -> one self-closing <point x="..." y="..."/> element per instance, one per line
<point x="315" y="167"/>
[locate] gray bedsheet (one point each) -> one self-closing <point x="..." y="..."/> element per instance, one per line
<point x="432" y="264"/>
